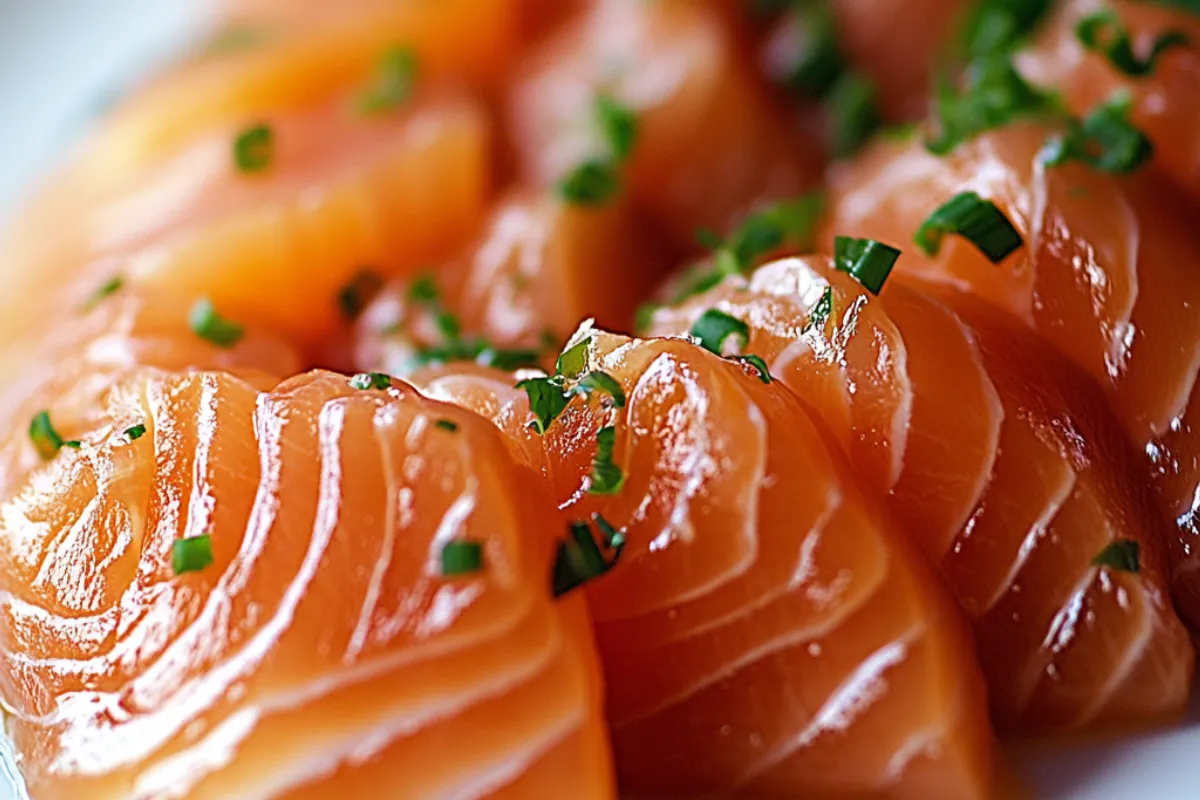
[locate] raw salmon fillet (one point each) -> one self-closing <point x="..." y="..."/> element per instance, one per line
<point x="765" y="629"/>
<point x="323" y="651"/>
<point x="1105" y="275"/>
<point x="342" y="191"/>
<point x="711" y="142"/>
<point x="1003" y="464"/>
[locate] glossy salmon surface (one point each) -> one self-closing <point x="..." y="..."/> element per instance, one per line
<point x="763" y="618"/>
<point x="1105" y="275"/>
<point x="1002" y="464"/>
<point x="324" y="648"/>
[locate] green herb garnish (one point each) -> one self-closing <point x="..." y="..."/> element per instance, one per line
<point x="853" y="109"/>
<point x="596" y="180"/>
<point x="447" y="425"/>
<point x="757" y="364"/>
<point x="607" y="477"/>
<point x="1121" y="554"/>
<point x="618" y="126"/>
<point x="714" y="327"/>
<point x="423" y="290"/>
<point x="254" y="149"/>
<point x="592" y="183"/>
<point x="597" y="381"/>
<point x="1102" y="32"/>
<point x="821" y="311"/>
<point x="393" y="84"/>
<point x="136" y="432"/>
<point x="110" y="286"/>
<point x="191" y="555"/>
<point x="579" y="558"/>
<point x="572" y="361"/>
<point x="999" y="26"/>
<point x="1105" y="140"/>
<point x="866" y="260"/>
<point x="462" y="557"/>
<point x="362" y="287"/>
<point x="371" y="380"/>
<point x="810" y="60"/>
<point x="547" y="399"/>
<point x="211" y="327"/>
<point x="977" y="220"/>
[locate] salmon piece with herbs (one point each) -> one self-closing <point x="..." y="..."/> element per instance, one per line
<point x="763" y="629"/>
<point x="1003" y="464"/>
<point x="229" y="586"/>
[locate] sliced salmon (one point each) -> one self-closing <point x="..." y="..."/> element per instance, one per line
<point x="341" y="192"/>
<point x="1004" y="465"/>
<point x="538" y="267"/>
<point x="324" y="648"/>
<point x="764" y="630"/>
<point x="710" y="142"/>
<point x="1105" y="276"/>
<point x="1166" y="102"/>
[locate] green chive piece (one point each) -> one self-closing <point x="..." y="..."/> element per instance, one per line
<point x="1102" y="32"/>
<point x="1105" y="140"/>
<point x="136" y="432"/>
<point x="447" y="425"/>
<point x="618" y="126"/>
<point x="977" y="220"/>
<point x="508" y="359"/>
<point x="999" y="26"/>
<point x="45" y="438"/>
<point x="191" y="555"/>
<point x="110" y="286"/>
<point x="602" y="382"/>
<point x="211" y="327"/>
<point x="821" y="312"/>
<point x="757" y="364"/>
<point x="462" y="557"/>
<point x="254" y="148"/>
<point x="994" y="94"/>
<point x="579" y="558"/>
<point x="423" y="290"/>
<point x="592" y="183"/>
<point x="447" y="324"/>
<point x="1121" y="554"/>
<point x="547" y="400"/>
<point x="393" y="84"/>
<point x="607" y="477"/>
<point x="74" y="444"/>
<point x="853" y="108"/>
<point x="371" y="380"/>
<point x="802" y="52"/>
<point x="572" y="361"/>
<point x="362" y="287"/>
<point x="714" y="327"/>
<point x="866" y="260"/>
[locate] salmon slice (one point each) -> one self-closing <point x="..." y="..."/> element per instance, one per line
<point x="341" y="192"/>
<point x="764" y="630"/>
<point x="710" y="143"/>
<point x="1004" y="465"/>
<point x="1104" y="276"/>
<point x="538" y="267"/>
<point x="1166" y="102"/>
<point x="324" y="645"/>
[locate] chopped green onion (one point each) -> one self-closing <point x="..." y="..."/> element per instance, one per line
<point x="618" y="125"/>
<point x="108" y="287"/>
<point x="602" y="382"/>
<point x="547" y="399"/>
<point x="1102" y="32"/>
<point x="977" y="220"/>
<point x="74" y="444"/>
<point x="208" y="325"/>
<point x="607" y="477"/>
<point x="994" y="94"/>
<point x="998" y="26"/>
<point x="46" y="439"/>
<point x="757" y="364"/>
<point x="1121" y="554"/>
<point x="854" y="114"/>
<point x="579" y="558"/>
<point x="1105" y="140"/>
<point x="254" y="148"/>
<point x="447" y="425"/>
<point x="592" y="183"/>
<point x="447" y="324"/>
<point x="393" y="84"/>
<point x="714" y="327"/>
<point x="371" y="380"/>
<point x="803" y="52"/>
<point x="362" y="287"/>
<point x="423" y="290"/>
<point x="136" y="432"/>
<point x="508" y="359"/>
<point x="478" y="351"/>
<point x="572" y="361"/>
<point x="462" y="557"/>
<point x="866" y="260"/>
<point x="821" y="311"/>
<point x="191" y="555"/>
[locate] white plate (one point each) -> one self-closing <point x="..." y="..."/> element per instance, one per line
<point x="59" y="61"/>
